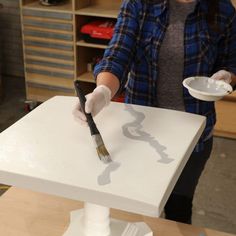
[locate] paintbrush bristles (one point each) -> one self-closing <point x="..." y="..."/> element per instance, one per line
<point x="103" y="154"/>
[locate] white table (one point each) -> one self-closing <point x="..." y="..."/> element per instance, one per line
<point x="48" y="151"/>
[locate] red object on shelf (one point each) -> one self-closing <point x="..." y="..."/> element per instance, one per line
<point x="120" y="98"/>
<point x="98" y="30"/>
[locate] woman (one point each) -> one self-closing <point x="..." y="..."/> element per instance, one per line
<point x="156" y="44"/>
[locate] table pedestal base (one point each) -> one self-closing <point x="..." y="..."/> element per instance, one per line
<point x="94" y="220"/>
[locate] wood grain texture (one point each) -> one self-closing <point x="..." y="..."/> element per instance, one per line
<point x="226" y="119"/>
<point x="27" y="213"/>
<point x="41" y="92"/>
<point x="50" y="81"/>
<point x="234" y="2"/>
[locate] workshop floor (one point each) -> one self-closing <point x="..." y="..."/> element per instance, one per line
<point x="215" y="198"/>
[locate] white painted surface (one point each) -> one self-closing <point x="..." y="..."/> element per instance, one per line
<point x="48" y="151"/>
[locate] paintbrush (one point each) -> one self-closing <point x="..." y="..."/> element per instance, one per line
<point x="102" y="152"/>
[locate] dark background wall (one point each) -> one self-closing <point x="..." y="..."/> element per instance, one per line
<point x="11" y="41"/>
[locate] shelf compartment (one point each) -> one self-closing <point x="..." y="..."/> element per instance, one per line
<point x="100" y="8"/>
<point x="98" y="11"/>
<point x="57" y="61"/>
<point x="50" y="42"/>
<point x="47" y="63"/>
<point x="38" y="23"/>
<point x="46" y="20"/>
<point x="48" y="81"/>
<point x="49" y="72"/>
<point x="86" y="77"/>
<point x="47" y="14"/>
<point x="81" y="37"/>
<point x="64" y="7"/>
<point x="82" y="43"/>
<point x="48" y="54"/>
<point x="87" y="55"/>
<point x="42" y="92"/>
<point x="49" y="45"/>
<point x="47" y="34"/>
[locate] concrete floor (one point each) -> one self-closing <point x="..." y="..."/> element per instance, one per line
<point x="215" y="198"/>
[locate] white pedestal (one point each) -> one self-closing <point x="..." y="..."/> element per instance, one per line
<point x="94" y="220"/>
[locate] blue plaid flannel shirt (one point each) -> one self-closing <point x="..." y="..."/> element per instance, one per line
<point x="134" y="48"/>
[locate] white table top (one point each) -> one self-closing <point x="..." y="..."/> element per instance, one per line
<point x="48" y="151"/>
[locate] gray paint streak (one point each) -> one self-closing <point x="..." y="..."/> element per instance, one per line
<point x="105" y="177"/>
<point x="133" y="130"/>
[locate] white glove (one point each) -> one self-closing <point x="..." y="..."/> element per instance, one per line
<point x="95" y="102"/>
<point x="222" y="75"/>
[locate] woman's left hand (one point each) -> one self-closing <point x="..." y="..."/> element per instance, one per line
<point x="224" y="75"/>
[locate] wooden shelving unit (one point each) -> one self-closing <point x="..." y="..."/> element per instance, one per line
<point x="87" y="77"/>
<point x="55" y="53"/>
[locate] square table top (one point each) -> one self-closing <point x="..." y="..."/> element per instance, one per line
<point x="49" y="151"/>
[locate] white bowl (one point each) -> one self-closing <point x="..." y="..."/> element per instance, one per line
<point x="207" y="89"/>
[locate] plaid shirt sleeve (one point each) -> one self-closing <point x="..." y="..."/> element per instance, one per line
<point x="120" y="52"/>
<point x="227" y="48"/>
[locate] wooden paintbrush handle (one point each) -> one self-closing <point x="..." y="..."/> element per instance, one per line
<point x="82" y="98"/>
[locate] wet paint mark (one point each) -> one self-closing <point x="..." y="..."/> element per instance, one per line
<point x="133" y="130"/>
<point x="105" y="177"/>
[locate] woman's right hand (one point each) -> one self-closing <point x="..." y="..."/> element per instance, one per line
<point x="95" y="102"/>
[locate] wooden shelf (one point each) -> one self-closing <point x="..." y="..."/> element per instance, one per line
<point x="54" y="53"/>
<point x="66" y="7"/>
<point x="82" y="43"/>
<point x="97" y="10"/>
<point x="86" y="77"/>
